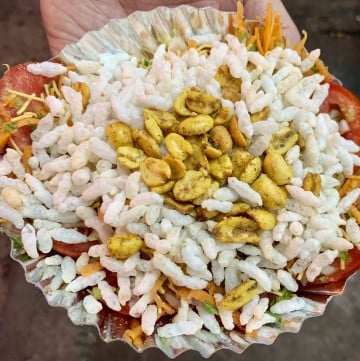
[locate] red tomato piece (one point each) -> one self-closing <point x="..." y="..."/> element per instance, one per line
<point x="348" y="104"/>
<point x="351" y="266"/>
<point x="72" y="250"/>
<point x="22" y="137"/>
<point x="18" y="78"/>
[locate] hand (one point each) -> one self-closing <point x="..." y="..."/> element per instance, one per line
<point x="66" y="21"/>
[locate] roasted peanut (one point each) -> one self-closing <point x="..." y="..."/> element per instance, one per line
<point x="192" y="185"/>
<point x="283" y="140"/>
<point x="198" y="159"/>
<point x="164" y="119"/>
<point x="155" y="172"/>
<point x="224" y="77"/>
<point x="262" y="115"/>
<point x="277" y="169"/>
<point x="221" y="138"/>
<point x="238" y="208"/>
<point x="221" y="167"/>
<point x="82" y="88"/>
<point x="124" y="245"/>
<point x="273" y="196"/>
<point x="240" y="159"/>
<point x="202" y="214"/>
<point x="177" y="167"/>
<point x="252" y="170"/>
<point x="222" y="116"/>
<point x="119" y="134"/>
<point x="236" y="134"/>
<point x="200" y="124"/>
<point x="153" y="128"/>
<point x="202" y="103"/>
<point x="239" y="296"/>
<point x="265" y="220"/>
<point x="130" y="157"/>
<point x="317" y="184"/>
<point x="181" y="207"/>
<point x="180" y="103"/>
<point x="214" y="186"/>
<point x="230" y="86"/>
<point x="146" y="142"/>
<point x="210" y="151"/>
<point x="177" y="146"/>
<point x="164" y="188"/>
<point x="236" y="230"/>
<point x="312" y="183"/>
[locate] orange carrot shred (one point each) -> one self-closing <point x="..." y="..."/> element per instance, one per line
<point x="91" y="268"/>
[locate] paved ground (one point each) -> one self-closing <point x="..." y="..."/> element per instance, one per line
<point x="32" y="331"/>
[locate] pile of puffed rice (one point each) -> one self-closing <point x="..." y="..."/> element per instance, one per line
<point x="83" y="188"/>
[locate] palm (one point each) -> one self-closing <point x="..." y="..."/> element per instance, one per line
<point x="66" y="21"/>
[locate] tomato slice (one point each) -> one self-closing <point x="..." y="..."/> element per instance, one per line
<point x="72" y="250"/>
<point x="351" y="266"/>
<point x="18" y="78"/>
<point x="348" y="104"/>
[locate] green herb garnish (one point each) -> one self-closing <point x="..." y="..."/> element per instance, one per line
<point x="243" y="37"/>
<point x="283" y="295"/>
<point x="344" y="256"/>
<point x="95" y="292"/>
<point x="209" y="307"/>
<point x="9" y="127"/>
<point x="276" y="316"/>
<point x="19" y="251"/>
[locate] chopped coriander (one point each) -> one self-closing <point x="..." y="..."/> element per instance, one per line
<point x="19" y="251"/>
<point x="323" y="279"/>
<point x="344" y="256"/>
<point x="146" y="63"/>
<point x="166" y="342"/>
<point x="276" y="316"/>
<point x="95" y="292"/>
<point x="283" y="295"/>
<point x="243" y="37"/>
<point x="253" y="47"/>
<point x="209" y="307"/>
<point x="9" y="127"/>
<point x="314" y="69"/>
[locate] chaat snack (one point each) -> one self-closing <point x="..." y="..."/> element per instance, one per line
<point x="196" y="192"/>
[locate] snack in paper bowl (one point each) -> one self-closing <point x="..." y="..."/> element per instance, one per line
<point x="182" y="179"/>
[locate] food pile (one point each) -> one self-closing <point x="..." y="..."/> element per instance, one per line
<point x="192" y="194"/>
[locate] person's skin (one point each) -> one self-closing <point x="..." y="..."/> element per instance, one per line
<point x="66" y="21"/>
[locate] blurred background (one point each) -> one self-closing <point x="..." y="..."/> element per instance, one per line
<point x="32" y="331"/>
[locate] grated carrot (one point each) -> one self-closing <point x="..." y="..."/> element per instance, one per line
<point x="27" y="153"/>
<point x="160" y="303"/>
<point x="4" y="138"/>
<point x="238" y="23"/>
<point x="355" y="213"/>
<point x="91" y="268"/>
<point x="189" y="294"/>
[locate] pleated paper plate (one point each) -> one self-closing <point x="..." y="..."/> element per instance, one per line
<point x="139" y="35"/>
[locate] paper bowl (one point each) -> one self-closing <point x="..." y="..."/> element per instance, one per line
<point x="139" y="35"/>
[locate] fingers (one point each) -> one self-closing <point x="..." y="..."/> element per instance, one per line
<point x="253" y="10"/>
<point x="257" y="8"/>
<point x="131" y="6"/>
